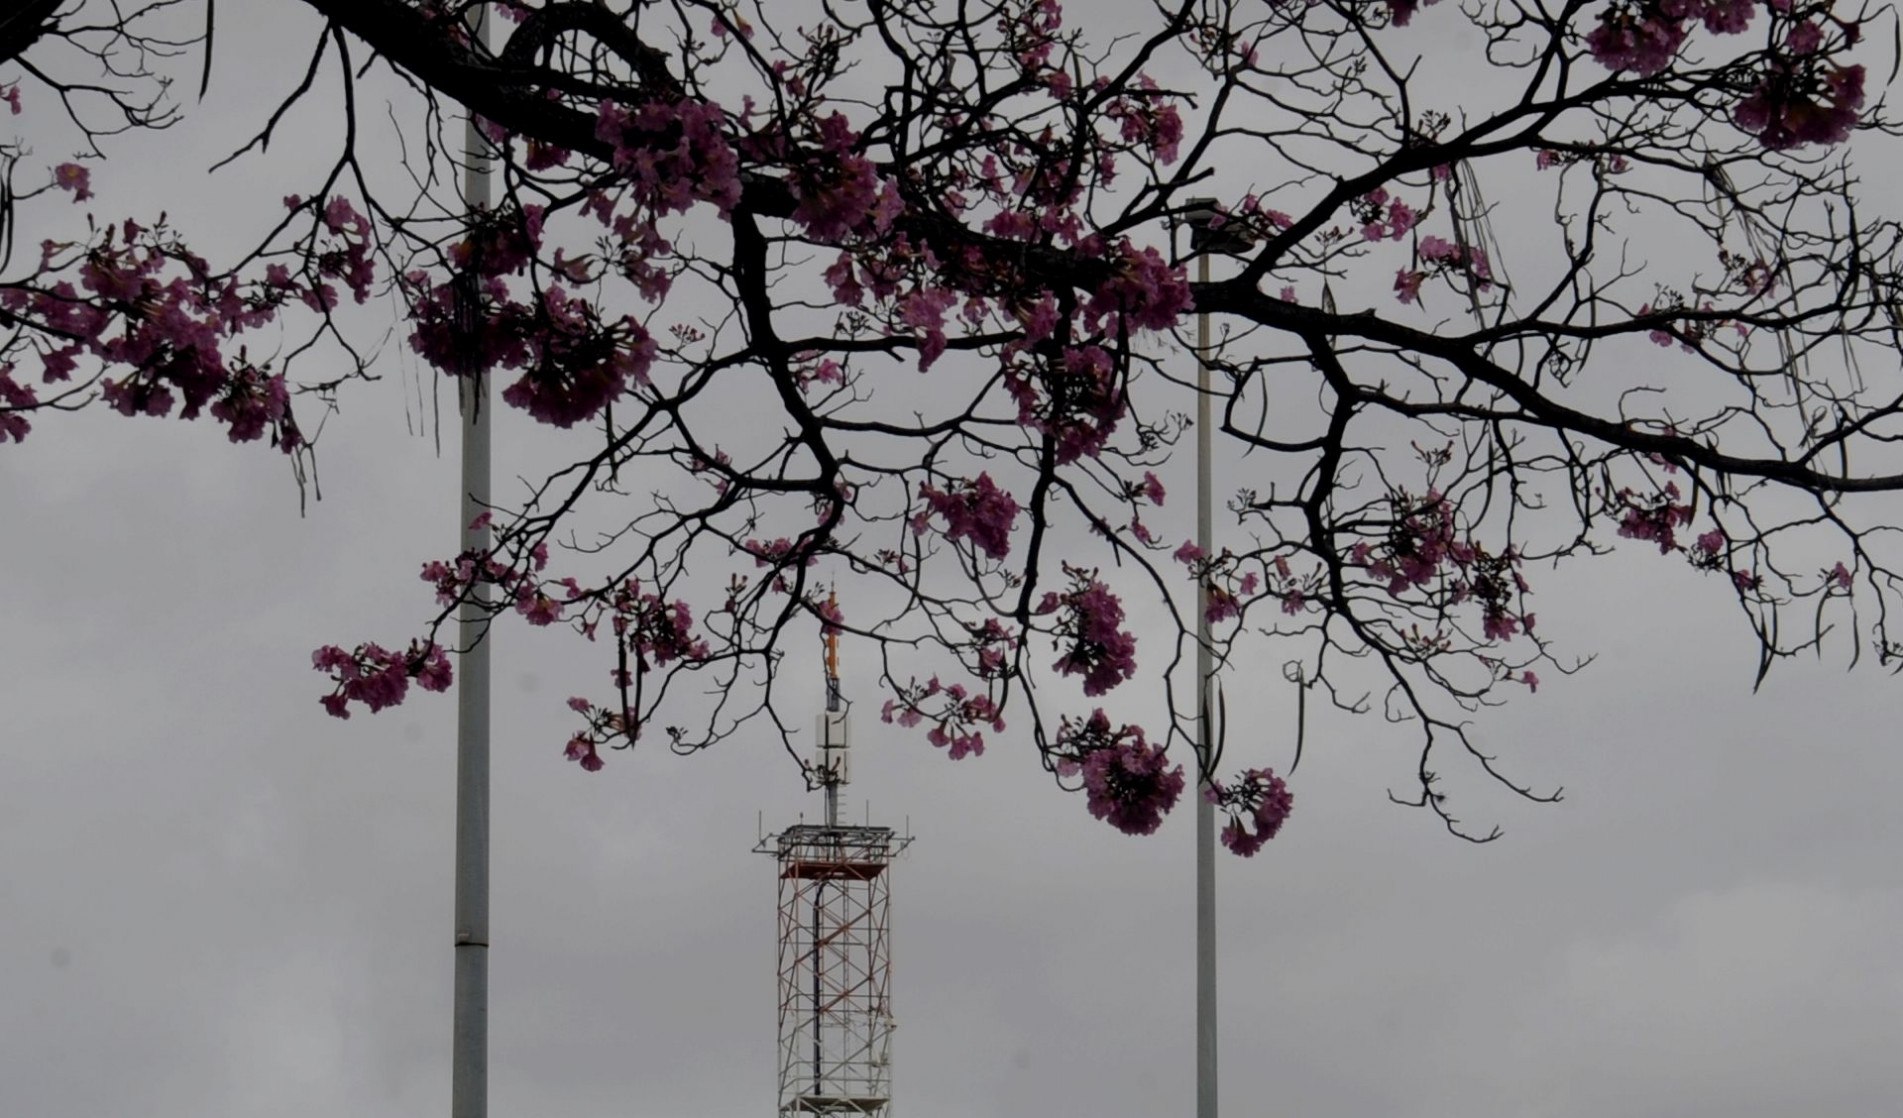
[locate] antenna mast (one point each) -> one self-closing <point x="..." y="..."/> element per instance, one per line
<point x="835" y="944"/>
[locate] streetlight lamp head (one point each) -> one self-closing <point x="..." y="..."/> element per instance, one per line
<point x="1210" y="231"/>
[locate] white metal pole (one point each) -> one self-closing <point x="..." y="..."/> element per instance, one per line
<point x="469" y="1061"/>
<point x="1205" y="811"/>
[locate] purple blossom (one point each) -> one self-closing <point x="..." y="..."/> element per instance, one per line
<point x="672" y="153"/>
<point x="1144" y="292"/>
<point x="378" y="677"/>
<point x="974" y="510"/>
<point x="75" y="179"/>
<point x="1075" y="399"/>
<point x="1795" y="104"/>
<point x="1258" y="804"/>
<point x="1642" y="39"/>
<point x="1128" y="782"/>
<point x="1655" y="518"/>
<point x="1098" y="647"/>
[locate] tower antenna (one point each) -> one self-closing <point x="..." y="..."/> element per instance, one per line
<point x="835" y="946"/>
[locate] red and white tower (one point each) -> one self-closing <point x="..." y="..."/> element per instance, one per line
<point x="835" y="938"/>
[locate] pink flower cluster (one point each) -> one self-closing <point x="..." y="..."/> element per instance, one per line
<point x="1656" y="518"/>
<point x="1030" y="28"/>
<point x="1708" y="550"/>
<point x="1074" y="398"/>
<point x="1449" y="256"/>
<point x="1258" y="804"/>
<point x="1639" y="37"/>
<point x="955" y="719"/>
<point x="780" y="552"/>
<point x="73" y="178"/>
<point x="1382" y="217"/>
<point x="1091" y="625"/>
<point x="975" y="510"/>
<point x="840" y="195"/>
<point x="1401" y="12"/>
<point x="604" y="725"/>
<point x="1225" y="591"/>
<point x="1422" y="545"/>
<point x="658" y="632"/>
<point x="1293" y="591"/>
<point x="1420" y="540"/>
<point x="1446" y="258"/>
<point x="1801" y="98"/>
<point x="14" y="399"/>
<point x="523" y="587"/>
<point x="1800" y="101"/>
<point x="993" y="644"/>
<point x="176" y="320"/>
<point x="253" y="400"/>
<point x="572" y="364"/>
<point x="673" y="153"/>
<point x="1150" y="122"/>
<point x="378" y="678"/>
<point x="923" y="309"/>
<point x="500" y="243"/>
<point x="1128" y="782"/>
<point x="1496" y="583"/>
<point x="1143" y="292"/>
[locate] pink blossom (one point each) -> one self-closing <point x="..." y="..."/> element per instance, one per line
<point x="672" y="153"/>
<point x="1075" y="399"/>
<point x="252" y="401"/>
<point x="377" y="677"/>
<point x="956" y="717"/>
<point x="1643" y="40"/>
<point x="843" y="196"/>
<point x="1795" y="104"/>
<point x="842" y="277"/>
<point x="75" y="179"/>
<point x="975" y="510"/>
<point x="1258" y="803"/>
<point x="582" y="749"/>
<point x="1151" y="488"/>
<point x="1656" y="518"/>
<point x="924" y="311"/>
<point x="1126" y="781"/>
<point x="1145" y="291"/>
<point x="1400" y="12"/>
<point x="1099" y="648"/>
<point x="1222" y="605"/>
<point x="1407" y="285"/>
<point x="1840" y="577"/>
<point x="14" y="398"/>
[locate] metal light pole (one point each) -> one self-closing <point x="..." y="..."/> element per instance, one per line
<point x="1205" y="238"/>
<point x="469" y="1058"/>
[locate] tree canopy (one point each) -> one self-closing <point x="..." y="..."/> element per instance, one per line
<point x="896" y="297"/>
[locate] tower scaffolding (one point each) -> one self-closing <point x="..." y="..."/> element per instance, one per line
<point x="835" y="948"/>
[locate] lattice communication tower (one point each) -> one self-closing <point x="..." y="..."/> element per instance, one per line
<point x="835" y="927"/>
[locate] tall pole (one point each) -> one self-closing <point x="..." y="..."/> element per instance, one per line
<point x="469" y="1060"/>
<point x="1207" y="236"/>
<point x="1205" y="811"/>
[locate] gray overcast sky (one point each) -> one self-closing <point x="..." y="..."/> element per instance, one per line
<point x="214" y="899"/>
